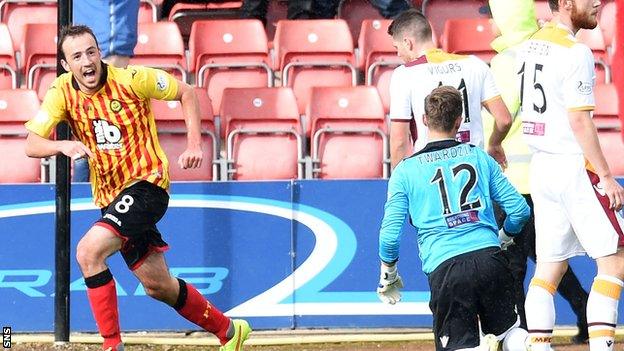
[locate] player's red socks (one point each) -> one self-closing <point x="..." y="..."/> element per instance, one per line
<point x="193" y="306"/>
<point x="103" y="299"/>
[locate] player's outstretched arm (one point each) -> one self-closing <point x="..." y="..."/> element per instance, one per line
<point x="191" y="157"/>
<point x="38" y="146"/>
<point x="587" y="137"/>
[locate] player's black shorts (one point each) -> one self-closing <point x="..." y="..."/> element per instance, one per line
<point x="133" y="215"/>
<point x="475" y="286"/>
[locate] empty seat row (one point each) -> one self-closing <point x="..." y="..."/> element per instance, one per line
<point x="262" y="135"/>
<point x="260" y="129"/>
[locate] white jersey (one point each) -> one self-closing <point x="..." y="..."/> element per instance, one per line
<point x="556" y="76"/>
<point x="412" y="82"/>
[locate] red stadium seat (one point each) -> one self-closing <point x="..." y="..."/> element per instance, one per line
<point x="184" y="14"/>
<point x="39" y="56"/>
<point x="148" y="11"/>
<point x="378" y="56"/>
<point x="229" y="54"/>
<point x="607" y="22"/>
<point x="469" y="36"/>
<point x="172" y="136"/>
<point x="595" y="40"/>
<point x="612" y="146"/>
<point x="314" y="53"/>
<point x="606" y="111"/>
<point x="16" y="14"/>
<point x="16" y="107"/>
<point x="349" y="133"/>
<point x="160" y="45"/>
<point x="263" y="133"/>
<point x="355" y="12"/>
<point x="438" y="11"/>
<point x="8" y="65"/>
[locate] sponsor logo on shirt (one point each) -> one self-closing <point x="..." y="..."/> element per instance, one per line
<point x="584" y="88"/>
<point x="462" y="218"/>
<point x="107" y="136"/>
<point x="533" y="128"/>
<point x="161" y="82"/>
<point x="463" y="136"/>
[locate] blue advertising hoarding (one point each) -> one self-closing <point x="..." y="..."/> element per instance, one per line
<point x="284" y="254"/>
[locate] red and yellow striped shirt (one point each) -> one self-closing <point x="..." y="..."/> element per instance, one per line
<point x="115" y="123"/>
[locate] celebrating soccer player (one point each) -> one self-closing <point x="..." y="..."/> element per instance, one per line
<point x="108" y="109"/>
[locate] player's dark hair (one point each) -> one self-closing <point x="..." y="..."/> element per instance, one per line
<point x="442" y="107"/>
<point x="73" y="31"/>
<point x="413" y="23"/>
<point x="554" y="5"/>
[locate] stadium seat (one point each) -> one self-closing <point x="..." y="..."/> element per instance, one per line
<point x="148" y="11"/>
<point x="39" y="56"/>
<point x="160" y="45"/>
<point x="469" y="36"/>
<point x="229" y="54"/>
<point x="606" y="111"/>
<point x="355" y="12"/>
<point x="8" y="65"/>
<point x="16" y="107"/>
<point x="16" y="14"/>
<point x="172" y="136"/>
<point x="314" y="53"/>
<point x="184" y="13"/>
<point x="612" y="145"/>
<point x="349" y="133"/>
<point x="438" y="11"/>
<point x="378" y="57"/>
<point x="607" y="22"/>
<point x="263" y="134"/>
<point x="595" y="40"/>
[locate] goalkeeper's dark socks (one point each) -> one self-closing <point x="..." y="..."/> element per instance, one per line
<point x="194" y="307"/>
<point x="103" y="299"/>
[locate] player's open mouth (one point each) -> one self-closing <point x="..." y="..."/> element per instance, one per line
<point x="90" y="73"/>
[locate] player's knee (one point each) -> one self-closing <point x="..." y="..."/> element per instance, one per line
<point x="85" y="257"/>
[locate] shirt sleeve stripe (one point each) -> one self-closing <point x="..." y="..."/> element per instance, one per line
<point x="582" y="108"/>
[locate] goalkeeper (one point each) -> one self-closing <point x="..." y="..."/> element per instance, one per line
<point x="448" y="189"/>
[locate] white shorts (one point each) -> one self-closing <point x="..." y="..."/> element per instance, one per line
<point x="572" y="214"/>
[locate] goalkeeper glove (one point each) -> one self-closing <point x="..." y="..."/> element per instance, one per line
<point x="505" y="240"/>
<point x="390" y="285"/>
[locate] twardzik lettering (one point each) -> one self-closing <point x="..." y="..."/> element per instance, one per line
<point x="443" y="154"/>
<point x="445" y="68"/>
